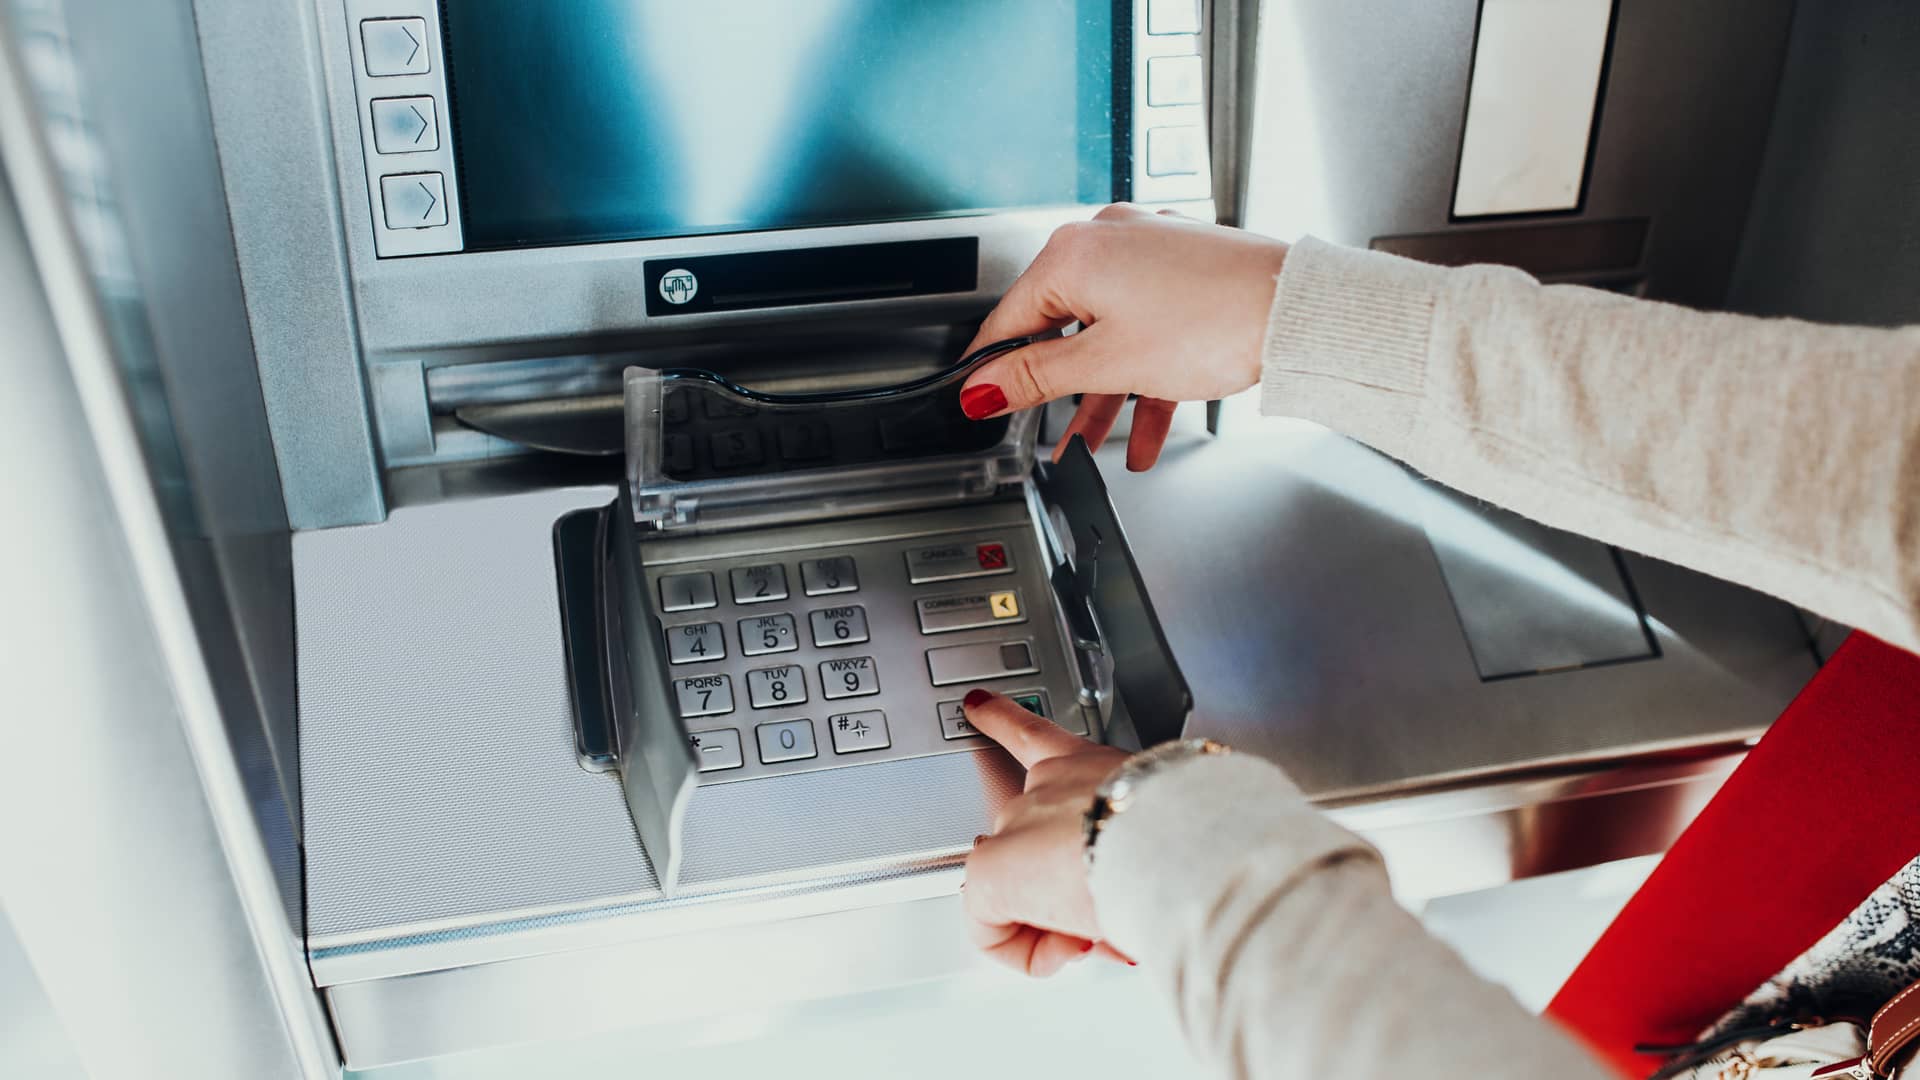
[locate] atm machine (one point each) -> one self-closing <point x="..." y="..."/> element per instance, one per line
<point x="508" y="558"/>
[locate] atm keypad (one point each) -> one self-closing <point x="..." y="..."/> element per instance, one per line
<point x="855" y="676"/>
<point x="714" y="751"/>
<point x="686" y="592"/>
<point x="803" y="638"/>
<point x="767" y="634"/>
<point x="777" y="687"/>
<point x="859" y="731"/>
<point x="696" y="642"/>
<point x="704" y="695"/>
<point x="824" y="577"/>
<point x="759" y="584"/>
<point x="786" y="740"/>
<point x="839" y="626"/>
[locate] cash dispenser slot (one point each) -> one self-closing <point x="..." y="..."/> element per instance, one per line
<point x="787" y="620"/>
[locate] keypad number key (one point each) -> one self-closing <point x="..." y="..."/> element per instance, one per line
<point x="839" y="626"/>
<point x="822" y="577"/>
<point x="786" y="740"/>
<point x="704" y="695"/>
<point x="774" y="687"/>
<point x="695" y="644"/>
<point x="759" y="584"/>
<point x="687" y="592"/>
<point x="857" y="731"/>
<point x="853" y="677"/>
<point x="768" y="634"/>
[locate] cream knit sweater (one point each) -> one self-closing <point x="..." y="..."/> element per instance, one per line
<point x="1778" y="454"/>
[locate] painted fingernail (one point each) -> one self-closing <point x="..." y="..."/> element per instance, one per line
<point x="1130" y="963"/>
<point x="1086" y="947"/>
<point x="980" y="402"/>
<point x="976" y="698"/>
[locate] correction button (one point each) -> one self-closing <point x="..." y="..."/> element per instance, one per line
<point x="839" y="626"/>
<point x="696" y="643"/>
<point x="771" y="688"/>
<point x="968" y="611"/>
<point x="767" y="634"/>
<point x="686" y="592"/>
<point x="759" y="584"/>
<point x="857" y="731"/>
<point x="823" y="577"/>
<point x="788" y="740"/>
<point x="704" y="695"/>
<point x="855" y="676"/>
<point x="716" y="750"/>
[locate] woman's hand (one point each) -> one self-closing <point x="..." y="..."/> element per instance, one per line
<point x="1172" y="310"/>
<point x="1026" y="895"/>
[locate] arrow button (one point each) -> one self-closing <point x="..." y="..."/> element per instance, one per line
<point x="395" y="47"/>
<point x="405" y="125"/>
<point x="414" y="200"/>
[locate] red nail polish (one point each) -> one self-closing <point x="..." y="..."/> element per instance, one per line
<point x="1087" y="948"/>
<point x="980" y="402"/>
<point x="976" y="698"/>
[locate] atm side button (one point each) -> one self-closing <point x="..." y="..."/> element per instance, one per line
<point x="980" y="661"/>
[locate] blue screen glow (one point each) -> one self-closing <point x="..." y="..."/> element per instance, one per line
<point x="595" y="120"/>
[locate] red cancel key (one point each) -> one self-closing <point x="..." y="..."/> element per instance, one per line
<point x="992" y="556"/>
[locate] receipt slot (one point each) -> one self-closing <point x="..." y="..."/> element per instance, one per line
<point x="923" y="567"/>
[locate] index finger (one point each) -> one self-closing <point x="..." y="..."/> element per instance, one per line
<point x="1033" y="304"/>
<point x="1030" y="739"/>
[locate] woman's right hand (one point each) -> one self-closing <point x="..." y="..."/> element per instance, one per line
<point x="1171" y="309"/>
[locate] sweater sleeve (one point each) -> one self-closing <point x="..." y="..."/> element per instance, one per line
<point x="1275" y="933"/>
<point x="1779" y="454"/>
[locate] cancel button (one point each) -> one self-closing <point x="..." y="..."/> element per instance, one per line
<point x="966" y="611"/>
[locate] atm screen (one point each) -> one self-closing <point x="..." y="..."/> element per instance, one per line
<point x="598" y="120"/>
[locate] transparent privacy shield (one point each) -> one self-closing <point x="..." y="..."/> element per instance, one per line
<point x="704" y="451"/>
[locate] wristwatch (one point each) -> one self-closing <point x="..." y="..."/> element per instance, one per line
<point x="1117" y="790"/>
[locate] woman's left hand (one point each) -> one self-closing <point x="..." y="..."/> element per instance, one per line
<point x="1026" y="895"/>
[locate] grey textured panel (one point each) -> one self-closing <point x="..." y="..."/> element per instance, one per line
<point x="441" y="784"/>
<point x="435" y="742"/>
<point x="1531" y="599"/>
<point x="1292" y="570"/>
<point x="1835" y="230"/>
<point x="268" y="94"/>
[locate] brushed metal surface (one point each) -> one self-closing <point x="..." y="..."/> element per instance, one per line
<point x="1317" y="630"/>
<point x="1532" y="599"/>
<point x="267" y="93"/>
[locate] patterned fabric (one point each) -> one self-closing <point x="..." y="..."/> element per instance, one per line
<point x="1873" y="954"/>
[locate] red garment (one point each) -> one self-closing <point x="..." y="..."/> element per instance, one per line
<point x="1821" y="813"/>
